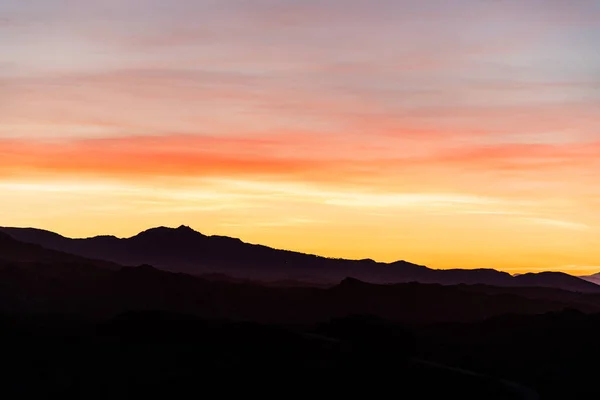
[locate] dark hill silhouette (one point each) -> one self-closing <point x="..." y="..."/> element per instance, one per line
<point x="185" y="250"/>
<point x="80" y="328"/>
<point x="13" y="250"/>
<point x="544" y="356"/>
<point x="89" y="290"/>
<point x="551" y="351"/>
<point x="33" y="278"/>
<point x="556" y="279"/>
<point x="174" y="355"/>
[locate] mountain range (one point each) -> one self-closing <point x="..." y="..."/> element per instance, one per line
<point x="184" y="250"/>
<point x="65" y="317"/>
<point x="38" y="280"/>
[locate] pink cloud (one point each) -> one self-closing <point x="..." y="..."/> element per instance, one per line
<point x="307" y="158"/>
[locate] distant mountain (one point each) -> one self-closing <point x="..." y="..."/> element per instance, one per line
<point x="185" y="250"/>
<point x="556" y="279"/>
<point x="16" y="251"/>
<point x="595" y="278"/>
<point x="56" y="288"/>
<point x="37" y="280"/>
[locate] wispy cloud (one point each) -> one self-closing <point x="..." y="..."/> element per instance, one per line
<point x="469" y="118"/>
<point x="560" y="224"/>
<point x="409" y="200"/>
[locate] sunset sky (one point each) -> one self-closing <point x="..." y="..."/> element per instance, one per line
<point x="455" y="134"/>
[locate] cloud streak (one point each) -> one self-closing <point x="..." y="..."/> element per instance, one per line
<point x="413" y="113"/>
<point x="288" y="155"/>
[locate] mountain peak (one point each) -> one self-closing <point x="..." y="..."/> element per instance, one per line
<point x="162" y="231"/>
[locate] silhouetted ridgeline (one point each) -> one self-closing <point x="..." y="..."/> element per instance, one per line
<point x="51" y="281"/>
<point x="594" y="278"/>
<point x="188" y="251"/>
<point x="77" y="327"/>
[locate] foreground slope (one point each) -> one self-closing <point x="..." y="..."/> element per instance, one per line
<point x="170" y="355"/>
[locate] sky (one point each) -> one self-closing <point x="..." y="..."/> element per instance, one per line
<point x="454" y="134"/>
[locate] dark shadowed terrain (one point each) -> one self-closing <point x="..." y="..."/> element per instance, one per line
<point x="549" y="356"/>
<point x="77" y="327"/>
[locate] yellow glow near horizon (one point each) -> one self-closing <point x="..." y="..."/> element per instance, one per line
<point x="438" y="230"/>
<point x="458" y="133"/>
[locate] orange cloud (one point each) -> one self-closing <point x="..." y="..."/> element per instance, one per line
<point x="300" y="157"/>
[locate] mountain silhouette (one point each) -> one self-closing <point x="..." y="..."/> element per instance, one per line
<point x="185" y="250"/>
<point x="556" y="279"/>
<point x="64" y="318"/>
<point x="89" y="290"/>
<point x="150" y="353"/>
<point x="594" y="278"/>
<point x="16" y="251"/>
<point x="37" y="280"/>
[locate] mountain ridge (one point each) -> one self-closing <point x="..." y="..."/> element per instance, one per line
<point x="185" y="250"/>
<point x="594" y="278"/>
<point x="13" y="250"/>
